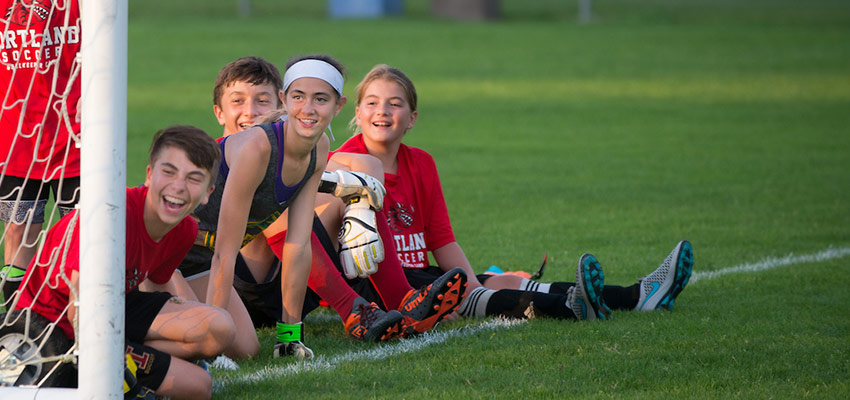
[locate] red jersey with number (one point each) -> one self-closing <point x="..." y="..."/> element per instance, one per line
<point x="145" y="258"/>
<point x="414" y="204"/>
<point x="39" y="43"/>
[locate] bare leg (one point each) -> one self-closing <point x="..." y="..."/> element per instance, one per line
<point x="259" y="257"/>
<point x="20" y="243"/>
<point x="503" y="281"/>
<point x="185" y="380"/>
<point x="190" y="330"/>
<point x="245" y="344"/>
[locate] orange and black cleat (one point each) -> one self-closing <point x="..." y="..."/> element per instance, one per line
<point x="424" y="308"/>
<point x="367" y="322"/>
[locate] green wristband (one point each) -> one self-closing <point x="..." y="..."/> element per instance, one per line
<point x="290" y="332"/>
<point x="12" y="272"/>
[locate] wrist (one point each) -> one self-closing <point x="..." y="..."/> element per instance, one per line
<point x="290" y="332"/>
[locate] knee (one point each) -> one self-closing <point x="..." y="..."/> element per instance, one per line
<point x="245" y="345"/>
<point x="220" y="334"/>
<point x="17" y="230"/>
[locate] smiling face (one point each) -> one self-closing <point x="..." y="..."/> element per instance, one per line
<point x="176" y="186"/>
<point x="242" y="102"/>
<point x="311" y="104"/>
<point x="383" y="114"/>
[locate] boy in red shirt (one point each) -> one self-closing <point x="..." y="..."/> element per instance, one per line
<point x="162" y="332"/>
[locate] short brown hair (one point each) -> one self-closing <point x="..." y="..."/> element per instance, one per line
<point x="202" y="149"/>
<point x="253" y="70"/>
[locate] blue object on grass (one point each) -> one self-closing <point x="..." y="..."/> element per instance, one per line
<point x="495" y="270"/>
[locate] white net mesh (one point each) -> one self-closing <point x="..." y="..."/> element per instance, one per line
<point x="39" y="176"/>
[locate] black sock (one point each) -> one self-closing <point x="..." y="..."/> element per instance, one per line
<point x="515" y="303"/>
<point x="616" y="297"/>
<point x="619" y="297"/>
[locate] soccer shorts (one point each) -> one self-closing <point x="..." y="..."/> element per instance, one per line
<point x="141" y="308"/>
<point x="263" y="300"/>
<point x="34" y="197"/>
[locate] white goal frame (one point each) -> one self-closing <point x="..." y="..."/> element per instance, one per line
<point x="102" y="207"/>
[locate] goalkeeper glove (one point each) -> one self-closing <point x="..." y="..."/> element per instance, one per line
<point x="345" y="184"/>
<point x="360" y="246"/>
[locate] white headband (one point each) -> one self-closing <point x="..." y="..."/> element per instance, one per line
<point x="312" y="68"/>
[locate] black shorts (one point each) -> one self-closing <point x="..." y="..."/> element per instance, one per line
<point x="263" y="300"/>
<point x="152" y="364"/>
<point x="34" y="197"/>
<point x="197" y="262"/>
<point x="141" y="308"/>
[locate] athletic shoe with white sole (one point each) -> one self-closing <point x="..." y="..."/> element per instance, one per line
<point x="659" y="289"/>
<point x="426" y="307"/>
<point x="224" y="362"/>
<point x="585" y="298"/>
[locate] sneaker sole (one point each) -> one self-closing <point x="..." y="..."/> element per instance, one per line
<point x="448" y="296"/>
<point x="590" y="271"/>
<point x="684" y="266"/>
<point x="391" y="328"/>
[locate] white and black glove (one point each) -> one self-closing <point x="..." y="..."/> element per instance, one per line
<point x="344" y="184"/>
<point x="360" y="246"/>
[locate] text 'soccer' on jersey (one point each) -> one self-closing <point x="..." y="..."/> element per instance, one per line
<point x="29" y="42"/>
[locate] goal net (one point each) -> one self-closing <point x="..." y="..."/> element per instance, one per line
<point x="62" y="147"/>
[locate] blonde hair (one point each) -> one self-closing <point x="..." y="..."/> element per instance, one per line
<point x="271" y="116"/>
<point x="384" y="71"/>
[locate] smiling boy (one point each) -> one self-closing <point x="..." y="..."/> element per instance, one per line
<point x="162" y="332"/>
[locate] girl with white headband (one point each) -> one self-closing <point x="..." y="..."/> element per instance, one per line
<point x="266" y="170"/>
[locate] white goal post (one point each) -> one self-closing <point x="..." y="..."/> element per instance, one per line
<point x="103" y="112"/>
<point x="103" y="180"/>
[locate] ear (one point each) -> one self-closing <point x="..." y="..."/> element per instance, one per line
<point x="357" y="116"/>
<point x="206" y="197"/>
<point x="413" y="116"/>
<point x="148" y="173"/>
<point x="219" y="115"/>
<point x="339" y="104"/>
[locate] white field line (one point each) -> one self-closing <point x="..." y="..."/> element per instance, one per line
<point x="320" y="364"/>
<point x="772" y="262"/>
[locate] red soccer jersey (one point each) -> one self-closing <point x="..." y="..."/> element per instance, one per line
<point x="145" y="258"/>
<point x="40" y="40"/>
<point x="415" y="206"/>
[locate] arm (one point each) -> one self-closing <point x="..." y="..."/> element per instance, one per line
<point x="72" y="299"/>
<point x="367" y="178"/>
<point x="248" y="158"/>
<point x="365" y="163"/>
<point x="450" y="256"/>
<point x="297" y="256"/>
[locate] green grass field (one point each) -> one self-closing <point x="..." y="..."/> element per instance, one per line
<point x="721" y="122"/>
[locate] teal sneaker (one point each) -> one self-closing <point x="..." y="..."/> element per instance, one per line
<point x="585" y="298"/>
<point x="658" y="290"/>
